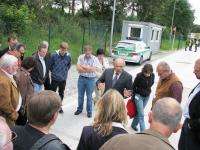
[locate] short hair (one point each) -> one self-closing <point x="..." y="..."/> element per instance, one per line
<point x="100" y="51"/>
<point x="17" y="46"/>
<point x="13" y="36"/>
<point x="3" y="136"/>
<point x="46" y="43"/>
<point x="42" y="45"/>
<point x="28" y="63"/>
<point x="121" y="60"/>
<point x="167" y="111"/>
<point x="87" y="47"/>
<point x="109" y="108"/>
<point x="148" y="68"/>
<point x="42" y="106"/>
<point x="7" y="60"/>
<point x="164" y="65"/>
<point x="197" y="61"/>
<point x="64" y="45"/>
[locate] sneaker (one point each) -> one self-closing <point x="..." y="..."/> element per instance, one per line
<point x="77" y="112"/>
<point x="61" y="111"/>
<point x="135" y="129"/>
<point x="89" y="115"/>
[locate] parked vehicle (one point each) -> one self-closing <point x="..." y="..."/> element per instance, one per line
<point x="132" y="51"/>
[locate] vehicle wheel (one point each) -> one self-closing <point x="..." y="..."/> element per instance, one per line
<point x="141" y="60"/>
<point x="150" y="56"/>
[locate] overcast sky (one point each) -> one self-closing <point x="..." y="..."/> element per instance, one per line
<point x="195" y="5"/>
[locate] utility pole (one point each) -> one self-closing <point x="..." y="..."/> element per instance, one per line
<point x="112" y="27"/>
<point x="172" y="35"/>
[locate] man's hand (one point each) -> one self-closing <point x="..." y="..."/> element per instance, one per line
<point x="100" y="86"/>
<point x="127" y="93"/>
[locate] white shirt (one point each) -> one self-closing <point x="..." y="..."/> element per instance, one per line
<point x="114" y="74"/>
<point x="43" y="65"/>
<point x="192" y="95"/>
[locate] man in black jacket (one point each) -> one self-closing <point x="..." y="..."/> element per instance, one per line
<point x="116" y="78"/>
<point x="190" y="135"/>
<point x="35" y="134"/>
<point x="39" y="73"/>
<point x="12" y="40"/>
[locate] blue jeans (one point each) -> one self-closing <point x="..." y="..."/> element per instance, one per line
<point x="37" y="87"/>
<point x="85" y="85"/>
<point x="140" y="103"/>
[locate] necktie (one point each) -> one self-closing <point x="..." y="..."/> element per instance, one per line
<point x="114" y="80"/>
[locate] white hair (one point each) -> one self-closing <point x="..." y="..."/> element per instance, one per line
<point x="167" y="111"/>
<point x="45" y="43"/>
<point x="7" y="60"/>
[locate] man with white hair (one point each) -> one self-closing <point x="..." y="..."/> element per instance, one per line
<point x="169" y="85"/>
<point x="5" y="136"/>
<point x="164" y="120"/>
<point x="10" y="99"/>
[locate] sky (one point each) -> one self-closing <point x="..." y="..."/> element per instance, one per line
<point x="195" y="5"/>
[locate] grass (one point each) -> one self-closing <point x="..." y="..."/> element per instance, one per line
<point x="166" y="45"/>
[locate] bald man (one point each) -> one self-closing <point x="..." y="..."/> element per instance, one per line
<point x="164" y="120"/>
<point x="116" y="78"/>
<point x="5" y="136"/>
<point x="190" y="135"/>
<point x="169" y="85"/>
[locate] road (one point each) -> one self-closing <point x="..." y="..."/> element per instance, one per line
<point x="68" y="126"/>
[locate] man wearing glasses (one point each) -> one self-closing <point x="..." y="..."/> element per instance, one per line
<point x="6" y="136"/>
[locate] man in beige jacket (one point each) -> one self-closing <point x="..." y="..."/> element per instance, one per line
<point x="164" y="120"/>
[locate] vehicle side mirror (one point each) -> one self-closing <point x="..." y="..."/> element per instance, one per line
<point x="147" y="47"/>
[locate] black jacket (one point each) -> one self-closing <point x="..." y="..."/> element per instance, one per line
<point x="194" y="112"/>
<point x="3" y="51"/>
<point x="124" y="81"/>
<point x="37" y="73"/>
<point x="142" y="85"/>
<point x="90" y="140"/>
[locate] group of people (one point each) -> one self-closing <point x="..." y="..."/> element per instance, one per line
<point x="192" y="42"/>
<point x="29" y="104"/>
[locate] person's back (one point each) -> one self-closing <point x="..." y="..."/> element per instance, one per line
<point x="148" y="140"/>
<point x="28" y="136"/>
<point x="42" y="112"/>
<point x="91" y="140"/>
<point x="164" y="120"/>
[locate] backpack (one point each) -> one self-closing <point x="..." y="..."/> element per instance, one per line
<point x="45" y="140"/>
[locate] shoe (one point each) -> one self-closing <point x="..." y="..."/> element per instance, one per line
<point x="77" y="112"/>
<point x="89" y="115"/>
<point x="61" y="111"/>
<point x="135" y="129"/>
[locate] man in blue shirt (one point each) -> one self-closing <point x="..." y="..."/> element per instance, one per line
<point x="86" y="67"/>
<point x="61" y="62"/>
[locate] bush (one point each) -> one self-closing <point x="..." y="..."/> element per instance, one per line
<point x="16" y="20"/>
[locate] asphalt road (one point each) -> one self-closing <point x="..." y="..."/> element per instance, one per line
<point x="68" y="126"/>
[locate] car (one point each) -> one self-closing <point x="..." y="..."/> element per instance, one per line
<point x="132" y="51"/>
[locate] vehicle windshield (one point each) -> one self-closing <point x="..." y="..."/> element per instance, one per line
<point x="124" y="45"/>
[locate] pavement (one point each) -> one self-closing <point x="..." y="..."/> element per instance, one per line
<point x="68" y="127"/>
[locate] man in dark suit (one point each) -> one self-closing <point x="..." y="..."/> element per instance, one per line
<point x="190" y="135"/>
<point x="116" y="78"/>
<point x="12" y="40"/>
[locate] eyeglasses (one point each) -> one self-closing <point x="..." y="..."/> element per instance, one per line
<point x="14" y="136"/>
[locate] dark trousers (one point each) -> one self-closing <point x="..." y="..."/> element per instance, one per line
<point x="47" y="85"/>
<point x="187" y="140"/>
<point x="60" y="85"/>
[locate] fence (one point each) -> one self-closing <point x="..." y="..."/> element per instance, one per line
<point x="94" y="33"/>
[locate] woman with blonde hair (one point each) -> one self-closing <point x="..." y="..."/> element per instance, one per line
<point x="110" y="118"/>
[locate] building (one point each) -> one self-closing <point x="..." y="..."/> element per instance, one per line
<point x="148" y="32"/>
